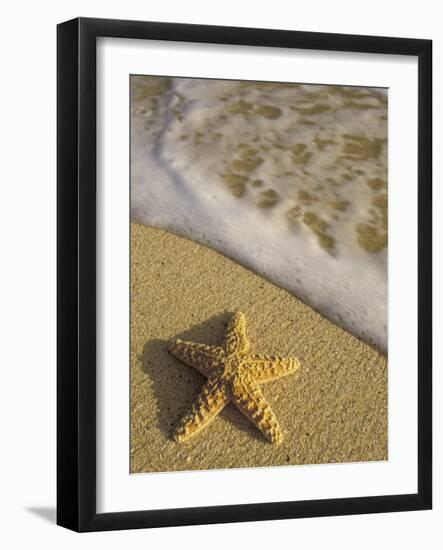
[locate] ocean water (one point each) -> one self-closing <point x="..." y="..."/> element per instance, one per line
<point x="289" y="180"/>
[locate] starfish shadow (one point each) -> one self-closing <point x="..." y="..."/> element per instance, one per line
<point x="176" y="385"/>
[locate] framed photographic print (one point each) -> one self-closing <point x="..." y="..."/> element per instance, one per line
<point x="244" y="274"/>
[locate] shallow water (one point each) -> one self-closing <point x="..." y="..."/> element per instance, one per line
<point x="288" y="179"/>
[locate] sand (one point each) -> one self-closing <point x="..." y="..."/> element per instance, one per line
<point x="333" y="409"/>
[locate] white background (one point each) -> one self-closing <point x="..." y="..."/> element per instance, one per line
<point x="27" y="300"/>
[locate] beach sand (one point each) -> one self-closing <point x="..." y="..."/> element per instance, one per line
<point x="333" y="409"/>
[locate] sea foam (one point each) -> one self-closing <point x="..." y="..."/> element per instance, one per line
<point x="288" y="180"/>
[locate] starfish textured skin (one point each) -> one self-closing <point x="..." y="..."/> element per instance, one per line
<point x="232" y="375"/>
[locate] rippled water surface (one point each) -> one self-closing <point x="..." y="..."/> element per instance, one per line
<point x="288" y="179"/>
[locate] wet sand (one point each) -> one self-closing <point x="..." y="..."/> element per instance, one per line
<point x="333" y="409"/>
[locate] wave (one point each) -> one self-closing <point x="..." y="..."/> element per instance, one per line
<point x="289" y="180"/>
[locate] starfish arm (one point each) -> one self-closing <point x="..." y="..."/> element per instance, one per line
<point x="200" y="356"/>
<point x="249" y="398"/>
<point x="205" y="408"/>
<point x="264" y="368"/>
<point x="236" y="341"/>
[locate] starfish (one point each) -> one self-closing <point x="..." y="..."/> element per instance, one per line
<point x="232" y="375"/>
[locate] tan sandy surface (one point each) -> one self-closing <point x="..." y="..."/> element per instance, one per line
<point x="333" y="409"/>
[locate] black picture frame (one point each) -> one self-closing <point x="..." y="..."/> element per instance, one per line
<point x="76" y="279"/>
